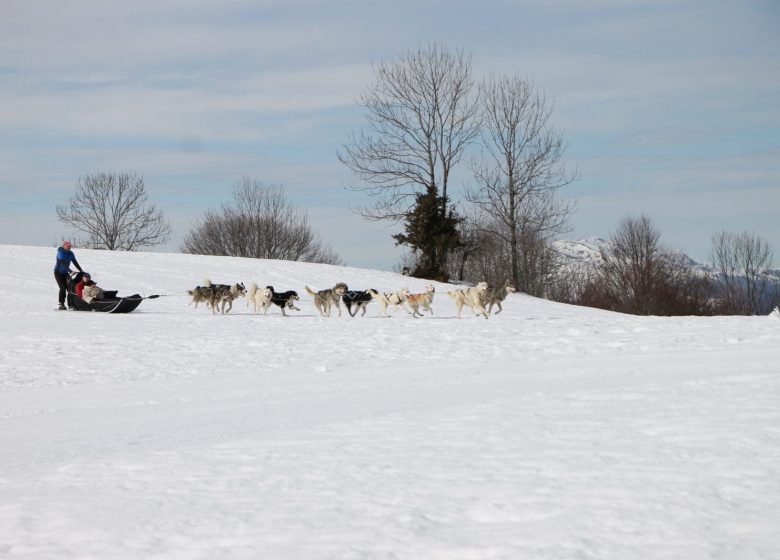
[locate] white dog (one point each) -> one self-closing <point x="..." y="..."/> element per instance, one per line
<point x="473" y="297"/>
<point x="259" y="298"/>
<point x="386" y="299"/>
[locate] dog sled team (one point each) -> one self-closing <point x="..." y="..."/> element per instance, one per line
<point x="219" y="298"/>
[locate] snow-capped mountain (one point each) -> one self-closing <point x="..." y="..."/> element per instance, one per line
<point x="587" y="252"/>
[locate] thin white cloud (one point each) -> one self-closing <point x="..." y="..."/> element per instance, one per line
<point x="653" y="96"/>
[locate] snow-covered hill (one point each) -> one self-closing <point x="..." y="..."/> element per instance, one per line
<point x="548" y="431"/>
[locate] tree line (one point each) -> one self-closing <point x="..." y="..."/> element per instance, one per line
<point x="428" y="121"/>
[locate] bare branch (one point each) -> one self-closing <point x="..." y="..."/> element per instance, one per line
<point x="518" y="177"/>
<point x="114" y="213"/>
<point x="258" y="223"/>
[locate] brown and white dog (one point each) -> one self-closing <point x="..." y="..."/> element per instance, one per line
<point x="215" y="294"/>
<point x="324" y="300"/>
<point x="494" y="296"/>
<point x="473" y="297"/>
<point x="224" y="294"/>
<point x="202" y="294"/>
<point x="424" y="300"/>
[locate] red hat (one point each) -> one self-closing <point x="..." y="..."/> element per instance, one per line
<point x="66" y="243"/>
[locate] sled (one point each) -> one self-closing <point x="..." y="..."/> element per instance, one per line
<point x="109" y="303"/>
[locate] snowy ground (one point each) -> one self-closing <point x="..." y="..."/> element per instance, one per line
<point x="548" y="431"/>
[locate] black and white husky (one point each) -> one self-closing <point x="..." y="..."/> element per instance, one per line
<point x="359" y="299"/>
<point x="285" y="300"/>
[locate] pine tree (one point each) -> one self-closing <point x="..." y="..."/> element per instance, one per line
<point x="432" y="232"/>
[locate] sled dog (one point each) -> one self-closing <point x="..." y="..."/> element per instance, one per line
<point x="324" y="300"/>
<point x="258" y="298"/>
<point x="386" y="299"/>
<point x="359" y="299"/>
<point x="424" y="300"/>
<point x="202" y="294"/>
<point x="285" y="300"/>
<point x="472" y="297"/>
<point x="494" y="296"/>
<point x="224" y="294"/>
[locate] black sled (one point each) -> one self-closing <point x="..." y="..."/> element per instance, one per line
<point x="109" y="303"/>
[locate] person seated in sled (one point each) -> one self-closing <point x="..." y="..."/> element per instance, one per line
<point x="89" y="291"/>
<point x="80" y="285"/>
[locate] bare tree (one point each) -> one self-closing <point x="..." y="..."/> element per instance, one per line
<point x="481" y="255"/>
<point x="518" y="177"/>
<point x="258" y="223"/>
<point x="114" y="212"/>
<point x="742" y="261"/>
<point x="633" y="268"/>
<point x="421" y="118"/>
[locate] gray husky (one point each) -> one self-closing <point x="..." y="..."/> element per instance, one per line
<point x="494" y="296"/>
<point x="324" y="300"/>
<point x="224" y="294"/>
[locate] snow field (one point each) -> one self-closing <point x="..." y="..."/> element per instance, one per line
<point x="548" y="431"/>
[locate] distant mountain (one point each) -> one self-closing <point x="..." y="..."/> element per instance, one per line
<point x="587" y="252"/>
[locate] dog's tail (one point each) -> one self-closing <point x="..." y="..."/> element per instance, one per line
<point x="251" y="291"/>
<point x="309" y="290"/>
<point x="207" y="283"/>
<point x="454" y="294"/>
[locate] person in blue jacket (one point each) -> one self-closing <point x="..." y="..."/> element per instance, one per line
<point x="62" y="268"/>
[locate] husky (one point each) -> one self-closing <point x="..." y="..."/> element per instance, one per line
<point x="424" y="300"/>
<point x="494" y="296"/>
<point x="472" y="297"/>
<point x="324" y="300"/>
<point x="258" y="298"/>
<point x="359" y="299"/>
<point x="202" y="294"/>
<point x="224" y="294"/>
<point x="386" y="299"/>
<point x="285" y="300"/>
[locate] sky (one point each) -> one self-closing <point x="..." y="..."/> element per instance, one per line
<point x="668" y="108"/>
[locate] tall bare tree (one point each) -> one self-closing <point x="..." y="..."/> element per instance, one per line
<point x="258" y="223"/>
<point x="742" y="261"/>
<point x="421" y="117"/>
<point x="114" y="212"/>
<point x="518" y="177"/>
